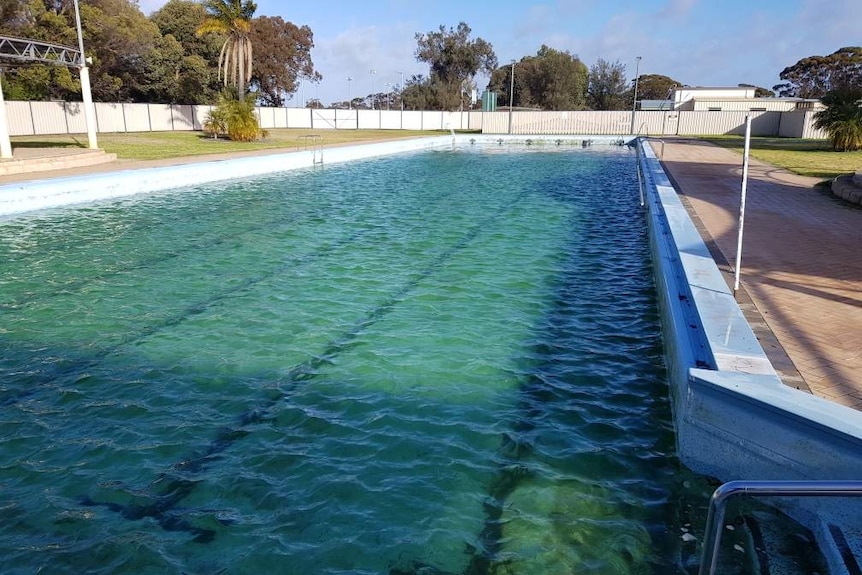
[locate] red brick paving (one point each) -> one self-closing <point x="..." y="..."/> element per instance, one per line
<point x="801" y="258"/>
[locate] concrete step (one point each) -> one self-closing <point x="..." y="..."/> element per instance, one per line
<point x="52" y="159"/>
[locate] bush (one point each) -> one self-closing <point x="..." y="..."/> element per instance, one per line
<point x="235" y="119"/>
<point x="842" y="119"/>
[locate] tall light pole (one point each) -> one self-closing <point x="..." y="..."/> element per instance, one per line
<point x="5" y="142"/>
<point x="372" y="72"/>
<point x="511" y="96"/>
<point x="349" y="98"/>
<point x="86" y="91"/>
<point x="635" y="97"/>
<point x="401" y="93"/>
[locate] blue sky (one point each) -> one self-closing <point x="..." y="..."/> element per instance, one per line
<point x="697" y="42"/>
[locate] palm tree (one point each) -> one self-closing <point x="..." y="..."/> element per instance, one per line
<point x="233" y="18"/>
<point x="842" y="118"/>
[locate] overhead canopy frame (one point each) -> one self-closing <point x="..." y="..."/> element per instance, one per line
<point x="27" y="50"/>
<point x="36" y="51"/>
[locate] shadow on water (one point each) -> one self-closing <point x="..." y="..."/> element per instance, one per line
<point x="621" y="422"/>
<point x="170" y="489"/>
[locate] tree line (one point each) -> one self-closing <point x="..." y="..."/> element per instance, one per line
<point x="188" y="51"/>
<point x="174" y="56"/>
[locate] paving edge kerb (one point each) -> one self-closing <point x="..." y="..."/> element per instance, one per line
<point x="848" y="187"/>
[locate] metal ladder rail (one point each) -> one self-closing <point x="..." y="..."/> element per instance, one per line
<point x="715" y="516"/>
<point x="312" y="142"/>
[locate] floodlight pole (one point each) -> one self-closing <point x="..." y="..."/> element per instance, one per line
<point x="635" y="97"/>
<point x="511" y="96"/>
<point x="86" y="92"/>
<point x="401" y="97"/>
<point x="5" y="142"/>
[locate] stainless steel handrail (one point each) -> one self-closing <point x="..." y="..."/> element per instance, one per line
<point x="715" y="517"/>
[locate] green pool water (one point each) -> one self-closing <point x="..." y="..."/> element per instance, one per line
<point x="439" y="363"/>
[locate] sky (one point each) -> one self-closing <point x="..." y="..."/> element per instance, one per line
<point x="696" y="42"/>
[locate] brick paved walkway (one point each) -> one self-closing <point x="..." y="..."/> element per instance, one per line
<point x="801" y="260"/>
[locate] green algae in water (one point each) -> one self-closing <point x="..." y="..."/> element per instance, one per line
<point x="332" y="371"/>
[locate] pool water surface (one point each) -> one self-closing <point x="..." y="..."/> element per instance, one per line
<point x="441" y="362"/>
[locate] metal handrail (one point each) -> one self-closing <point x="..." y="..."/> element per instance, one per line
<point x="715" y="517"/>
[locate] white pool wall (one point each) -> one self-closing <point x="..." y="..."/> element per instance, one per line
<point x="45" y="193"/>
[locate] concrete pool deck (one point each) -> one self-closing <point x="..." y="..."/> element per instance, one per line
<point x="801" y="264"/>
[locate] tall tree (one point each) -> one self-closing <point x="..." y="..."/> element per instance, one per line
<point x="117" y="36"/>
<point x="655" y="87"/>
<point x="282" y="56"/>
<point x="607" y="87"/>
<point x="233" y="19"/>
<point x="418" y="93"/>
<point x="551" y="80"/>
<point x="814" y="76"/>
<point x="454" y="59"/>
<point x="759" y="92"/>
<point x="192" y="76"/>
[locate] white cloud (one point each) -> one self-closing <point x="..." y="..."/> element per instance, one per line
<point x="535" y="22"/>
<point x="676" y="9"/>
<point x="357" y="51"/>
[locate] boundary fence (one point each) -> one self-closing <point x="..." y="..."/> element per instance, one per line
<point x="48" y="118"/>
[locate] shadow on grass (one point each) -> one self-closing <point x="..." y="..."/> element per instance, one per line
<point x="72" y="143"/>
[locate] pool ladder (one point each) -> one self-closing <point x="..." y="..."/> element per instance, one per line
<point x="715" y="516"/>
<point x="312" y="142"/>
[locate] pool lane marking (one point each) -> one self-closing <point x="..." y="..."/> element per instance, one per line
<point x="75" y="286"/>
<point x="175" y="489"/>
<point x="187" y="312"/>
<point x="192" y="310"/>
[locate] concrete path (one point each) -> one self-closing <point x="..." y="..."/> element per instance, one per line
<point x="801" y="262"/>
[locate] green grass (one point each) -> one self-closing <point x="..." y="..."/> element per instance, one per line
<point x="813" y="158"/>
<point x="163" y="145"/>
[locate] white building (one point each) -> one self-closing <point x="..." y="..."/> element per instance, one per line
<point x="740" y="99"/>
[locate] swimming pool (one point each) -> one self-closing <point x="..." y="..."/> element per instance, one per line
<point x="446" y="362"/>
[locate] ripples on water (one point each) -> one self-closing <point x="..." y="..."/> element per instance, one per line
<point x="442" y="363"/>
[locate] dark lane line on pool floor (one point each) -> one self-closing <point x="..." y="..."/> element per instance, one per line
<point x="92" y="361"/>
<point x="77" y="285"/>
<point x="175" y="489"/>
<point x="218" y="240"/>
<point x="192" y="310"/>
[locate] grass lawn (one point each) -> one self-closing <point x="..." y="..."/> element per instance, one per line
<point x="805" y="157"/>
<point x="160" y="145"/>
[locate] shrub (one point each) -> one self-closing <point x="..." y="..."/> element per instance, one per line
<point x="842" y="118"/>
<point x="234" y="118"/>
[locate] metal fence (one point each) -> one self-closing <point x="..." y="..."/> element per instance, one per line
<point x="44" y="118"/>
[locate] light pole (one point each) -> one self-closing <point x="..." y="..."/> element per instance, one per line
<point x="401" y="91"/>
<point x="635" y="98"/>
<point x="511" y="96"/>
<point x="86" y="92"/>
<point x="372" y="72"/>
<point x="349" y="99"/>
